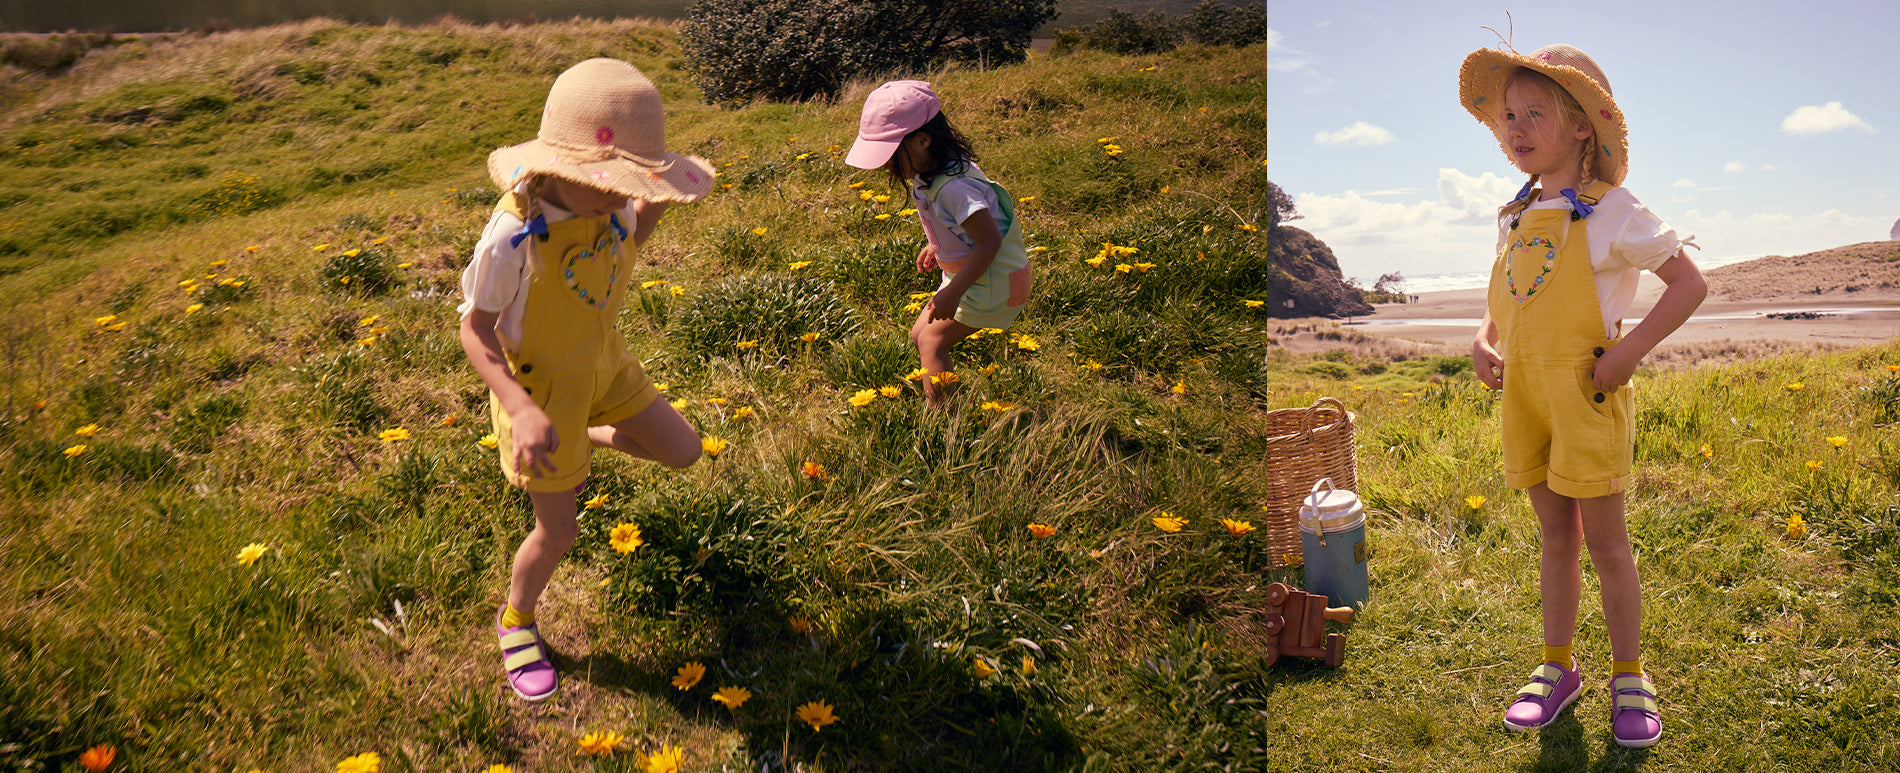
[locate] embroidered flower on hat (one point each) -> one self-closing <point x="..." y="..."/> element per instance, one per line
<point x="1605" y="114"/>
<point x="602" y="175"/>
<point x="605" y="134"/>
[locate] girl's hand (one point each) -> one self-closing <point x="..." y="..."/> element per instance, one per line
<point x="927" y="258"/>
<point x="943" y="305"/>
<point x="1614" y="368"/>
<point x="535" y="442"/>
<point x="1489" y="364"/>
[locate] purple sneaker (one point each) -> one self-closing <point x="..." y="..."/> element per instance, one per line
<point x="525" y="657"/>
<point x="1634" y="718"/>
<point x="1552" y="689"/>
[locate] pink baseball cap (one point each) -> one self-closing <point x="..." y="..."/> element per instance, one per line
<point x="893" y="111"/>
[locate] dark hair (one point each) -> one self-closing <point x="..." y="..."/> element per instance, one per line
<point x="948" y="148"/>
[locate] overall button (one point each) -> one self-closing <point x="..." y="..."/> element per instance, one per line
<point x="1599" y="397"/>
<point x="527" y="367"/>
<point x="1597" y="351"/>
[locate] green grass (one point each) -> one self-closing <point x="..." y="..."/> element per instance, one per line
<point x="879" y="584"/>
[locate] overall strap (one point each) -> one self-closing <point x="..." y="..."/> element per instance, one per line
<point x="1006" y="214"/>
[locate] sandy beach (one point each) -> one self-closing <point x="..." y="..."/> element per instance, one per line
<point x="1848" y="296"/>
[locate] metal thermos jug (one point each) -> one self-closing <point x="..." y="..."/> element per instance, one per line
<point x="1333" y="538"/>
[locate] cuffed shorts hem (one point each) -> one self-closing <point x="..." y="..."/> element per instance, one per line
<point x="1563" y="486"/>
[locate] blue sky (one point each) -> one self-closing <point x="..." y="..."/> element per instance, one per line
<point x="1763" y="128"/>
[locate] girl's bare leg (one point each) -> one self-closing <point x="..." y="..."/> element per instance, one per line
<point x="554" y="532"/>
<point x="933" y="340"/>
<point x="1559" y="575"/>
<point x="658" y="433"/>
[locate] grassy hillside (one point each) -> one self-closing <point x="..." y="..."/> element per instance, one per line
<point x="187" y="374"/>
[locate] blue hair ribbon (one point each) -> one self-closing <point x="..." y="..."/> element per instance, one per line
<point x="614" y="220"/>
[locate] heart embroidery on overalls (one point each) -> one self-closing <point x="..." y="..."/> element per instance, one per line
<point x="1529" y="246"/>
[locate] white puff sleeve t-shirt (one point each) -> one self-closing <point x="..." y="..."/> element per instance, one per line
<point x="1625" y="239"/>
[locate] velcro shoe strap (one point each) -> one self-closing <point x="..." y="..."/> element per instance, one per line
<point x="1539" y="689"/>
<point x="1622" y="683"/>
<point x="1641" y="702"/>
<point x="522" y="658"/>
<point x="1548" y="673"/>
<point x="521" y="638"/>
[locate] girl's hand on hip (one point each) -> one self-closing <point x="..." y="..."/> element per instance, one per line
<point x="927" y="258"/>
<point x="1614" y="368"/>
<point x="1489" y="364"/>
<point x="535" y="442"/>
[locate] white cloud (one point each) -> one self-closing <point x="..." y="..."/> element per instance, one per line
<point x="1683" y="183"/>
<point x="1735" y="167"/>
<point x="1726" y="235"/>
<point x="1454" y="234"/>
<point x="1831" y="117"/>
<point x="1359" y="133"/>
<point x="1281" y="59"/>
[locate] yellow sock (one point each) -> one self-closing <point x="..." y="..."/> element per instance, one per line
<point x="1627" y="667"/>
<point x="1558" y="655"/>
<point x="515" y="618"/>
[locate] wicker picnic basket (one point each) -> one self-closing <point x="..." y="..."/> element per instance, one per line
<point x="1304" y="445"/>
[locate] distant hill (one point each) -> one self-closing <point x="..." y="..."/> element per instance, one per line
<point x="1306" y="279"/>
<point x="1855" y="270"/>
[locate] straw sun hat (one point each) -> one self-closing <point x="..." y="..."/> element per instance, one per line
<point x="1481" y="90"/>
<point x="603" y="127"/>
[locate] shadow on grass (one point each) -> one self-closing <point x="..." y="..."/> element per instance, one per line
<point x="1565" y="749"/>
<point x="902" y="701"/>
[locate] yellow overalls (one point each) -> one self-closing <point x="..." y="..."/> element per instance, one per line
<point x="572" y="361"/>
<point x="1557" y="427"/>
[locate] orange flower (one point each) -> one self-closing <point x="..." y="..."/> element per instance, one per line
<point x="817" y="714"/>
<point x="732" y="697"/>
<point x="815" y="471"/>
<point x="689" y="675"/>
<point x="1041" y="530"/>
<point x="97" y="758"/>
<point x="1169" y="523"/>
<point x="600" y="743"/>
<point x="1237" y="528"/>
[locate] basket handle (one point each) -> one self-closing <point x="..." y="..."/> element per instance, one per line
<point x="1306" y="424"/>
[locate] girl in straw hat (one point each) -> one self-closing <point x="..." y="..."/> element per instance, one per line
<point x="1571" y="246"/>
<point x="969" y="223"/>
<point x="541" y="295"/>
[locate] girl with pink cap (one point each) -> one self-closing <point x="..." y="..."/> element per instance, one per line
<point x="969" y="222"/>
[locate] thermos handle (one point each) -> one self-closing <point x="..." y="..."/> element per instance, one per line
<point x="1314" y="498"/>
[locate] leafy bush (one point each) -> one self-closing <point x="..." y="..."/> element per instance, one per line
<point x="370" y="271"/>
<point x="52" y="54"/>
<point x="739" y="50"/>
<point x="876" y="273"/>
<point x="770" y="310"/>
<point x="1214" y="23"/>
<point x="745" y="249"/>
<point x="869" y="361"/>
<point x="1121" y="32"/>
<point x="705" y="552"/>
